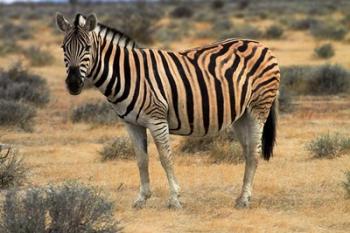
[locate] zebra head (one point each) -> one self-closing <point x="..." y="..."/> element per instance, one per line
<point x="77" y="47"/>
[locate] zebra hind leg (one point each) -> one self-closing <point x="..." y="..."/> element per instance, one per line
<point x="138" y="136"/>
<point x="249" y="133"/>
<point x="160" y="135"/>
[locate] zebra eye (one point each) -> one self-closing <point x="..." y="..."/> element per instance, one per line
<point x="62" y="47"/>
<point x="87" y="48"/>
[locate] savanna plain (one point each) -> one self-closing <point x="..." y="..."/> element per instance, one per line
<point x="303" y="188"/>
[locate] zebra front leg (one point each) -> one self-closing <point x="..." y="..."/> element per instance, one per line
<point x="160" y="135"/>
<point x="249" y="133"/>
<point x="138" y="136"/>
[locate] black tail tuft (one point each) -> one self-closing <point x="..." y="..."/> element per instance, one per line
<point x="269" y="132"/>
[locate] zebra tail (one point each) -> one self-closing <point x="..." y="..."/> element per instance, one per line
<point x="269" y="132"/>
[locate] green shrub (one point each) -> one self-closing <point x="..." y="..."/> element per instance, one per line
<point x="324" y="51"/>
<point x="16" y="114"/>
<point x="328" y="146"/>
<point x="120" y="148"/>
<point x="329" y="30"/>
<point x="346" y="184"/>
<point x="96" y="113"/>
<point x="18" y="85"/>
<point x="12" y="169"/>
<point x="70" y="208"/>
<point x="274" y="32"/>
<point x="38" y="57"/>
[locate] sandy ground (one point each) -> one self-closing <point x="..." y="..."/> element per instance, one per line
<point x="292" y="193"/>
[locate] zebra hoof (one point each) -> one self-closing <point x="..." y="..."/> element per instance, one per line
<point x="242" y="203"/>
<point x="174" y="204"/>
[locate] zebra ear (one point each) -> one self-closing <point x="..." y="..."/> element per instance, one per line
<point x="62" y="23"/>
<point x="91" y="22"/>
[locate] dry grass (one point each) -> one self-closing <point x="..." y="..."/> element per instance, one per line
<point x="292" y="193"/>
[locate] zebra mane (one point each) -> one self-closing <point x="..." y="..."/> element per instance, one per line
<point x="120" y="38"/>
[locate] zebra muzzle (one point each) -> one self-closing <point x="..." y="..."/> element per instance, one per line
<point x="74" y="81"/>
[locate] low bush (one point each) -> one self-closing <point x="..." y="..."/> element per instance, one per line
<point x="328" y="145"/>
<point x="329" y="80"/>
<point x="70" y="207"/>
<point x="195" y="145"/>
<point x="12" y="169"/>
<point x="324" y="51"/>
<point x="329" y="30"/>
<point x="274" y="32"/>
<point x="17" y="84"/>
<point x="96" y="113"/>
<point x="346" y="184"/>
<point x="181" y="12"/>
<point x="38" y="57"/>
<point x="16" y="114"/>
<point x="120" y="148"/>
<point x="319" y="80"/>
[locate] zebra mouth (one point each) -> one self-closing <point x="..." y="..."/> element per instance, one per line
<point x="75" y="92"/>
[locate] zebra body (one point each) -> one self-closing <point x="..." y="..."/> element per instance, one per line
<point x="197" y="92"/>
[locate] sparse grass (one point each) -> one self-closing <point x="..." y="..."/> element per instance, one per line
<point x="16" y="114"/>
<point x="328" y="145"/>
<point x="70" y="207"/>
<point x="38" y="56"/>
<point x="95" y="113"/>
<point x="274" y="32"/>
<point x="246" y="32"/>
<point x="346" y="184"/>
<point x="17" y="84"/>
<point x="120" y="148"/>
<point x="12" y="169"/>
<point x="195" y="145"/>
<point x="324" y="51"/>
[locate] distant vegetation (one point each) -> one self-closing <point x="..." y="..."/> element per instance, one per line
<point x="38" y="56"/>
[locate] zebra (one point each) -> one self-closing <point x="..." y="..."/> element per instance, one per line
<point x="196" y="92"/>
